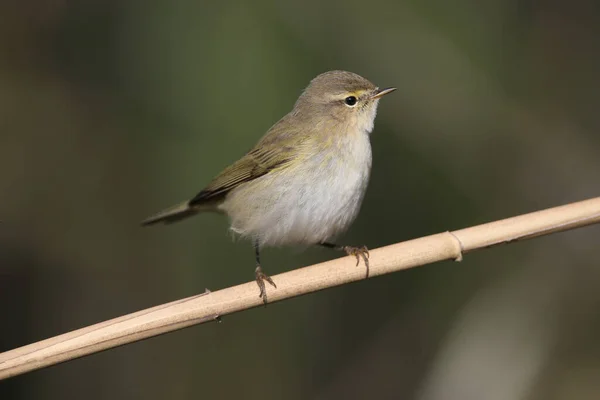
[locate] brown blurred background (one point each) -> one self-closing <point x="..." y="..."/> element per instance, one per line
<point x="111" y="110"/>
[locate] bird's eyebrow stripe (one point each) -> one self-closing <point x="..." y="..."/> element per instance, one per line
<point x="356" y="93"/>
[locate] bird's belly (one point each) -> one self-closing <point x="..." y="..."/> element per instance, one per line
<point x="312" y="212"/>
<point x="306" y="205"/>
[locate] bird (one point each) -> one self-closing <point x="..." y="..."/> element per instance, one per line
<point x="304" y="181"/>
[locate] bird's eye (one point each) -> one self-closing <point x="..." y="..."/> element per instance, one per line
<point x="350" y="101"/>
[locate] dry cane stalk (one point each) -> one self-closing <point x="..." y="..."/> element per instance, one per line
<point x="211" y="306"/>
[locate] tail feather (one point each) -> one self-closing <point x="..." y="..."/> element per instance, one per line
<point x="171" y="214"/>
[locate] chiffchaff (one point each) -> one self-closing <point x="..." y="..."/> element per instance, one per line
<point x="304" y="181"/>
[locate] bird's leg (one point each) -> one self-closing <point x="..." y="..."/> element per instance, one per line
<point x="261" y="277"/>
<point x="358" y="252"/>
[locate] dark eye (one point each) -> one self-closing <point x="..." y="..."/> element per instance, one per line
<point x="350" y="100"/>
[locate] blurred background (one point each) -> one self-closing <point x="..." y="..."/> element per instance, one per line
<point x="112" y="110"/>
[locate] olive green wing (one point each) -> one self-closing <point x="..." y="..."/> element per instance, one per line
<point x="258" y="162"/>
<point x="280" y="146"/>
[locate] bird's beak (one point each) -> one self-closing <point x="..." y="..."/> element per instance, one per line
<point x="382" y="92"/>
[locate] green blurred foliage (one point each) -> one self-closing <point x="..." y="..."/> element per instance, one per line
<point x="111" y="110"/>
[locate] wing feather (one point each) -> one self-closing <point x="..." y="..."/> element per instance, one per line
<point x="268" y="155"/>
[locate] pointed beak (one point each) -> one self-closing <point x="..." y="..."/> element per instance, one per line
<point x="382" y="92"/>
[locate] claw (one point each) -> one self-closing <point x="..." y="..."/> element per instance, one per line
<point x="261" y="277"/>
<point x="359" y="252"/>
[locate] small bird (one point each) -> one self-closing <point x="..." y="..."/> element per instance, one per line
<point x="304" y="181"/>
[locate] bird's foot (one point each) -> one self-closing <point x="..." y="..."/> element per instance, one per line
<point x="358" y="252"/>
<point x="261" y="277"/>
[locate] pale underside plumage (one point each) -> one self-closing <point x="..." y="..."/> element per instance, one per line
<point x="307" y="203"/>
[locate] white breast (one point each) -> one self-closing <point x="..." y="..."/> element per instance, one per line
<point x="308" y="203"/>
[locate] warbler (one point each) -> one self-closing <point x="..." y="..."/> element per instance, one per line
<point x="304" y="181"/>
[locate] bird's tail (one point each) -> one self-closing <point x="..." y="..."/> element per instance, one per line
<point x="172" y="214"/>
